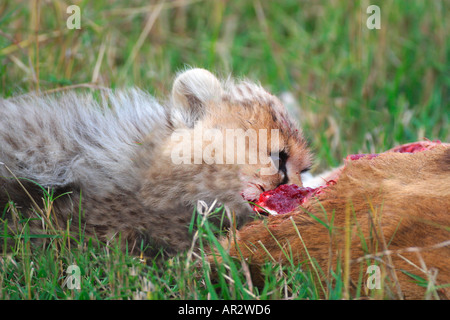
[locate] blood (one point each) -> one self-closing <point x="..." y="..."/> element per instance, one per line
<point x="283" y="199"/>
<point x="286" y="198"/>
<point x="416" y="146"/>
<point x="404" y="148"/>
<point x="361" y="155"/>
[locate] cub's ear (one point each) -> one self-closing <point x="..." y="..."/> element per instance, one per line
<point x="191" y="92"/>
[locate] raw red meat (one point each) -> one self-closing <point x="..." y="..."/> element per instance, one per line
<point x="283" y="199"/>
<point x="361" y="155"/>
<point x="416" y="146"/>
<point x="286" y="198"/>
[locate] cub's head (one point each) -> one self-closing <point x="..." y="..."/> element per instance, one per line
<point x="237" y="126"/>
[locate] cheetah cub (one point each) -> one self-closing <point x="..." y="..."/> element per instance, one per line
<point x="122" y="163"/>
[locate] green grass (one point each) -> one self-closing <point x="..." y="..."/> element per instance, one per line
<point x="39" y="270"/>
<point x="359" y="90"/>
<point x="36" y="267"/>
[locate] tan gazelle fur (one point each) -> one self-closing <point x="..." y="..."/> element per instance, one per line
<point x="392" y="211"/>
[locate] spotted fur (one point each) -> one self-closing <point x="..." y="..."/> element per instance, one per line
<point x="112" y="155"/>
